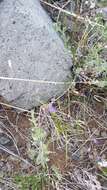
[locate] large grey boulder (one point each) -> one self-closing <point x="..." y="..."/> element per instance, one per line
<point x="30" y="49"/>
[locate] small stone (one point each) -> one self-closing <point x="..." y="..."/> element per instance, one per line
<point x="5" y="140"/>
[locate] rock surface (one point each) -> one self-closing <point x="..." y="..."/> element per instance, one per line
<point x="103" y="12"/>
<point x="30" y="49"/>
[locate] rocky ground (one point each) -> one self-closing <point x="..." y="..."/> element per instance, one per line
<point x="62" y="145"/>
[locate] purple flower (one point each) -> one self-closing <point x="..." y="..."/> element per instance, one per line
<point x="51" y="107"/>
<point x="95" y="141"/>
